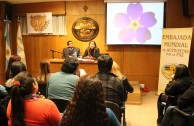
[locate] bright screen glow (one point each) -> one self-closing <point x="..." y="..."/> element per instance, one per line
<point x="134" y="23"/>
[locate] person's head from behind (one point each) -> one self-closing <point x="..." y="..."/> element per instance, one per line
<point x="9" y="85"/>
<point x="92" y="45"/>
<point x="12" y="59"/>
<point x="70" y="44"/>
<point x="87" y="106"/>
<point x="181" y="71"/>
<point x="116" y="70"/>
<point x="70" y="65"/>
<point x="44" y="66"/>
<point x="23" y="89"/>
<point x="105" y="63"/>
<point x="17" y="67"/>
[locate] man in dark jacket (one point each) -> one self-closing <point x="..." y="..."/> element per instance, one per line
<point x="112" y="86"/>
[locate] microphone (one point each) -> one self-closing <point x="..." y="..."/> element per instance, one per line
<point x="56" y="51"/>
<point x="53" y="53"/>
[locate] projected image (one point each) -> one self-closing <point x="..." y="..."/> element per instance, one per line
<point x="134" y="23"/>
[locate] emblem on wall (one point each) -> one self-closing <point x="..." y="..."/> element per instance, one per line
<point x="39" y="22"/>
<point x="85" y="29"/>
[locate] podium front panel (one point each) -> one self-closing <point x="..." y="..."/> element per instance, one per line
<point x="91" y="68"/>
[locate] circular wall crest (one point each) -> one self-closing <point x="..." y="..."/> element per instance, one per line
<point x="85" y="29"/>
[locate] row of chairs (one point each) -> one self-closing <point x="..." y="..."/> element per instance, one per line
<point x="180" y="118"/>
<point x="118" y="111"/>
<point x="177" y="116"/>
<point x="62" y="105"/>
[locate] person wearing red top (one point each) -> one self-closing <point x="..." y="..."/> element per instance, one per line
<point x="27" y="109"/>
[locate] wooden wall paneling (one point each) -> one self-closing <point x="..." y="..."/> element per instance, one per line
<point x="99" y="7"/>
<point x="190" y="6"/>
<point x="75" y="8"/>
<point x="55" y="7"/>
<point x="142" y="63"/>
<point x="174" y="15"/>
<point x="116" y="52"/>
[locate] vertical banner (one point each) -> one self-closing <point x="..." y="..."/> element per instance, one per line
<point x="20" y="45"/>
<point x="175" y="49"/>
<point x="8" y="47"/>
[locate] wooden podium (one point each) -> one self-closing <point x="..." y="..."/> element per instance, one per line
<point x="91" y="67"/>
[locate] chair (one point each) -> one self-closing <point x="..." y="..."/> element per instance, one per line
<point x="118" y="111"/>
<point x="61" y="104"/>
<point x="42" y="88"/>
<point x="163" y="102"/>
<point x="180" y="118"/>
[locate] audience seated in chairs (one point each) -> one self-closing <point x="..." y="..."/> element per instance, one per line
<point x="38" y="111"/>
<point x="61" y="104"/>
<point x="16" y="68"/>
<point x="118" y="111"/>
<point x="112" y="86"/>
<point x="4" y="102"/>
<point x="87" y="106"/>
<point x="61" y="85"/>
<point x="177" y="87"/>
<point x="183" y="114"/>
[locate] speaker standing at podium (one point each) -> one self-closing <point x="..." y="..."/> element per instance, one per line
<point x="71" y="50"/>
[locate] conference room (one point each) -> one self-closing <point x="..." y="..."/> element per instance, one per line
<point x="140" y="56"/>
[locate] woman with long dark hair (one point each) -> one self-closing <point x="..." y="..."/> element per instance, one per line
<point x="44" y="71"/>
<point x="26" y="108"/>
<point x="12" y="59"/>
<point x="92" y="52"/>
<point x="181" y="81"/>
<point x="87" y="107"/>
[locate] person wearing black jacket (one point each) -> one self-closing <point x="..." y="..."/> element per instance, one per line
<point x="181" y="82"/>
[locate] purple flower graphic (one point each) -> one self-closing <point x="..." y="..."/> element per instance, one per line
<point x="135" y="24"/>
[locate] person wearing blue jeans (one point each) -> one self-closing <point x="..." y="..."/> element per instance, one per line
<point x="166" y="118"/>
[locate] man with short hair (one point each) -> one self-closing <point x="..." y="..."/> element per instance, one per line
<point x="71" y="51"/>
<point x="112" y="86"/>
<point x="61" y="84"/>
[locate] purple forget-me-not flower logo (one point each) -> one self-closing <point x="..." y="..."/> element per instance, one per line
<point x="135" y="24"/>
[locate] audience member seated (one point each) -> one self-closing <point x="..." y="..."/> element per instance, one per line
<point x="61" y="84"/>
<point x="181" y="82"/>
<point x="44" y="72"/>
<point x="12" y="59"/>
<point x="16" y="67"/>
<point x="26" y="108"/>
<point x="127" y="86"/>
<point x="71" y="51"/>
<point x="92" y="52"/>
<point x="87" y="106"/>
<point x="4" y="102"/>
<point x="184" y="103"/>
<point x="112" y="86"/>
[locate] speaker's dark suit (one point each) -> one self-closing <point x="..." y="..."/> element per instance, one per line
<point x="70" y="52"/>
